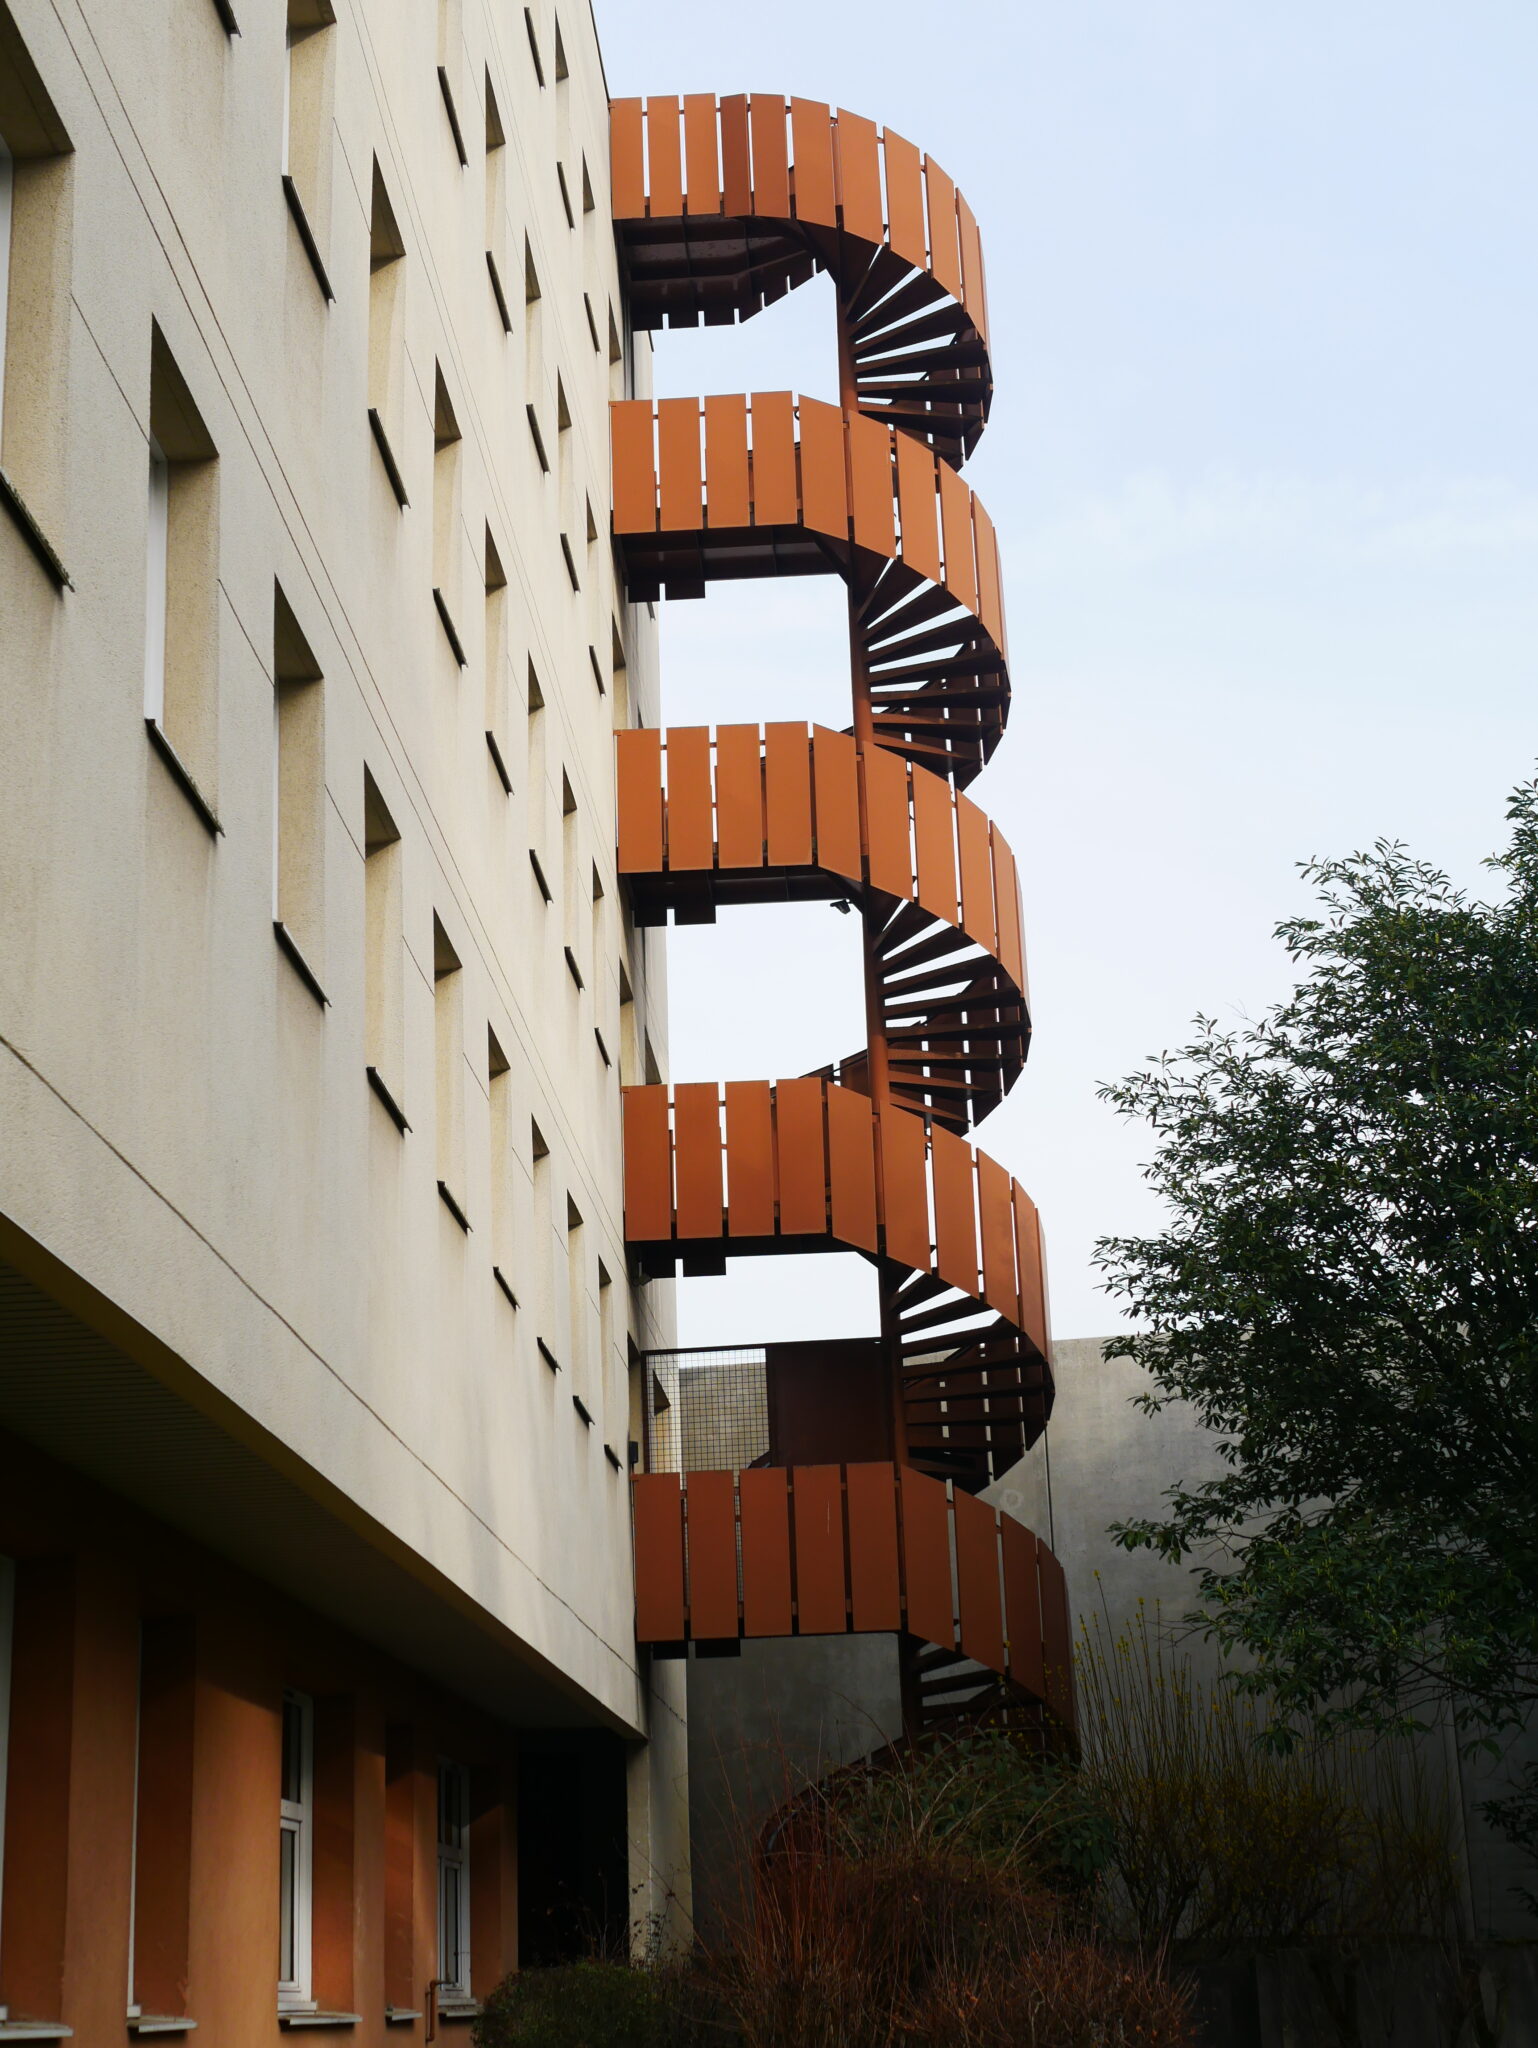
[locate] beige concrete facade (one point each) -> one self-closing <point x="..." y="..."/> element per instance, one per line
<point x="316" y="986"/>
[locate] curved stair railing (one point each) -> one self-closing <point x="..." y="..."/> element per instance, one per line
<point x="721" y="206"/>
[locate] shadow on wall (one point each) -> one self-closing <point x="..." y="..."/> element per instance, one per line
<point x="762" y="1726"/>
<point x="1104" y="1460"/>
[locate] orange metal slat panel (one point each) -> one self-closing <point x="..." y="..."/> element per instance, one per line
<point x="852" y="1168"/>
<point x="648" y="1166"/>
<point x="889" y="850"/>
<point x="990" y="587"/>
<point x="824" y="486"/>
<point x="697" y="1137"/>
<point x="871" y="485"/>
<point x="836" y="803"/>
<point x="736" y="165"/>
<point x="633" y="461"/>
<point x="955" y="1209"/>
<point x="771" y="164"/>
<point x="944" y="246"/>
<point x="994" y="1203"/>
<point x="711" y="1521"/>
<point x="1022" y="1606"/>
<point x="1006" y="904"/>
<point x="765" y="1513"/>
<point x="977" y="1581"/>
<point x="691" y="834"/>
<point x="739" y="797"/>
<point x="956" y="521"/>
<point x="822" y="1574"/>
<point x="918" y="500"/>
<point x="971" y="262"/>
<point x="638" y="799"/>
<point x="977" y="915"/>
<point x="627" y="160"/>
<point x="904" y="1189"/>
<point x="934" y="837"/>
<point x="926" y="1558"/>
<point x="678" y="465"/>
<point x="1056" y="1635"/>
<point x="726" y="461"/>
<point x="905" y="200"/>
<point x="1033" y="1296"/>
<point x="811" y="136"/>
<point x="749" y="1159"/>
<point x="859" y="176"/>
<point x="801" y="1158"/>
<point x="775" y="502"/>
<point x="788" y="795"/>
<point x="703" y="189"/>
<point x="664" y="166"/>
<point x="657" y="1501"/>
<point x="875" y="1583"/>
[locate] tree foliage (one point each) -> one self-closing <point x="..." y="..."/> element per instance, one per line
<point x="1347" y="1293"/>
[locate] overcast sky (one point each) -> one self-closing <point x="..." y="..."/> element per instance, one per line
<point x="1264" y="463"/>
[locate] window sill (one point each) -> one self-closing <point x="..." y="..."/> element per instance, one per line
<point x="447" y="1197"/>
<point x="181" y="775"/>
<point x="400" y="2015"/>
<point x="35" y="2030"/>
<point x="459" y="2008"/>
<point x="292" y="953"/>
<point x="41" y="546"/>
<point x="445" y="619"/>
<point x="387" y="456"/>
<point x="381" y="1088"/>
<point x="307" y="237"/>
<point x="501" y="766"/>
<point x="160" y="2023"/>
<point x="319" y="2019"/>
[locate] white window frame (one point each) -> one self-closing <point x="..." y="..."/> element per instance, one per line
<point x="453" y="1878"/>
<point x="7" y="206"/>
<point x="155" y="584"/>
<point x="296" y="1827"/>
<point x="7" y="1610"/>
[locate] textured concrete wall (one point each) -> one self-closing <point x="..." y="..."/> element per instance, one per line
<point x="188" y="1126"/>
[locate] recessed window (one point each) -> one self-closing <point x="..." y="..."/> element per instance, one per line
<point x="448" y="552"/>
<point x="181" y="697"/>
<point x="35" y="306"/>
<point x="384" y="954"/>
<point x="296" y="1851"/>
<point x="454" y="1880"/>
<point x="306" y="135"/>
<point x="449" y="1043"/>
<point x="386" y="332"/>
<point x="298" y="796"/>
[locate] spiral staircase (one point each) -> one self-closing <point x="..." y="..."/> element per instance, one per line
<point x="722" y="206"/>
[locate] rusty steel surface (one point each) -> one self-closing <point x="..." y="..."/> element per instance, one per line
<point x="852" y="1549"/>
<point x="723" y="204"/>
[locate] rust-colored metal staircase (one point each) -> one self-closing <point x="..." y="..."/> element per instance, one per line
<point x="722" y="206"/>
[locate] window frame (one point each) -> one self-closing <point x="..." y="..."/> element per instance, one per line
<point x="296" y="1822"/>
<point x="454" y="1878"/>
<point x="7" y="1616"/>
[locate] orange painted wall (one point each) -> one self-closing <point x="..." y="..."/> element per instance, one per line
<point x="221" y="1648"/>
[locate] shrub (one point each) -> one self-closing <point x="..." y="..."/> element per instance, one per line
<point x="578" y="2005"/>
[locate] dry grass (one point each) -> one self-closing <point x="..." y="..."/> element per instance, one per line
<point x="1220" y="1839"/>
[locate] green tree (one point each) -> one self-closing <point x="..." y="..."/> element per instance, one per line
<point x="1347" y="1293"/>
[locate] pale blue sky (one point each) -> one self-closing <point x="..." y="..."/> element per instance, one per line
<point x="1264" y="463"/>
